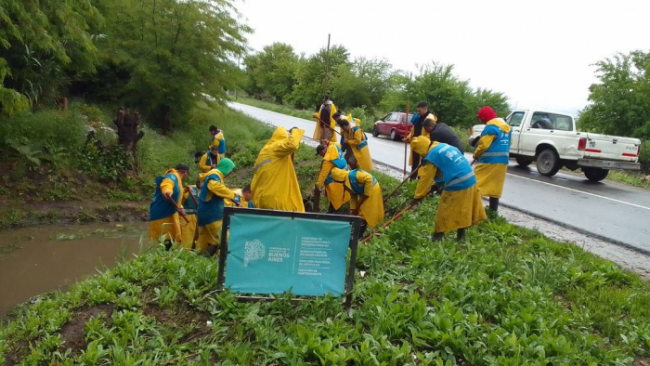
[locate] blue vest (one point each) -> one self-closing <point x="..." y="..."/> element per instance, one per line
<point x="499" y="150"/>
<point x="457" y="174"/>
<point x="250" y="204"/>
<point x="339" y="163"/>
<point x="356" y="188"/>
<point x="160" y="207"/>
<point x="190" y="205"/>
<point x="212" y="210"/>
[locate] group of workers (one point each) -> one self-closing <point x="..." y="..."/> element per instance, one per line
<point x="437" y="160"/>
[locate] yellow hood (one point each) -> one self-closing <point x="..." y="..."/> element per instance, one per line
<point x="280" y="134"/>
<point x="421" y="145"/>
<point x="500" y="123"/>
<point x="339" y="175"/>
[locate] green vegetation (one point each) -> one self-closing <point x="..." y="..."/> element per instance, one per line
<point x="507" y="296"/>
<point x="631" y="178"/>
<point x="620" y="103"/>
<point x="365" y="88"/>
<point x="280" y="108"/>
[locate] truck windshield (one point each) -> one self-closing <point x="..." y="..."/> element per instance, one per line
<point x="552" y="121"/>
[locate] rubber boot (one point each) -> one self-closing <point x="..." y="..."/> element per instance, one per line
<point x="438" y="236"/>
<point x="332" y="210"/>
<point x="168" y="245"/>
<point x="460" y="234"/>
<point x="494" y="204"/>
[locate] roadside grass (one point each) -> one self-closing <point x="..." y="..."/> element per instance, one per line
<point x="635" y="179"/>
<point x="280" y="108"/>
<point x="506" y="296"/>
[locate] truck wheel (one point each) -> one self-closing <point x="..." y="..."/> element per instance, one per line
<point x="548" y="163"/>
<point x="595" y="174"/>
<point x="524" y="162"/>
<point x="393" y="135"/>
<point x="375" y="131"/>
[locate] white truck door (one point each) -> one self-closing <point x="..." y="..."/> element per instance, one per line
<point x="515" y="120"/>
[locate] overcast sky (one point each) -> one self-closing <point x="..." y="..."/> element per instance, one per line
<point x="539" y="53"/>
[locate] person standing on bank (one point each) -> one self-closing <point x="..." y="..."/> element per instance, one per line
<point x="492" y="154"/>
<point x="163" y="215"/>
<point x="325" y="123"/>
<point x="460" y="203"/>
<point x="209" y="160"/>
<point x="441" y="132"/>
<point x="355" y="144"/>
<point x="418" y="130"/>
<point x="218" y="140"/>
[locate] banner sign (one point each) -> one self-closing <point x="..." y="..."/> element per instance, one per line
<point x="272" y="252"/>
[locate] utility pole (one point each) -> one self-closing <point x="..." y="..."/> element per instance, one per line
<point x="327" y="63"/>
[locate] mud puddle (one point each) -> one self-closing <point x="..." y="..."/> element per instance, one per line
<point x="41" y="259"/>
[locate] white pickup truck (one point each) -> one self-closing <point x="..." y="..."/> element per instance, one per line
<point x="552" y="140"/>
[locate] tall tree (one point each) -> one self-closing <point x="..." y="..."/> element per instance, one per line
<point x="362" y="83"/>
<point x="176" y="51"/>
<point x="621" y="100"/>
<point x="313" y="77"/>
<point x="273" y="71"/>
<point x="41" y="44"/>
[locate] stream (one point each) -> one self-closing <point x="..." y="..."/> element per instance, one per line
<point x="37" y="260"/>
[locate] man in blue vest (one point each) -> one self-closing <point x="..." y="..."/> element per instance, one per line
<point x="460" y="203"/>
<point x="163" y="216"/>
<point x="492" y="153"/>
<point x="211" y="203"/>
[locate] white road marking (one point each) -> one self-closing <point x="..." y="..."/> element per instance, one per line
<point x="578" y="191"/>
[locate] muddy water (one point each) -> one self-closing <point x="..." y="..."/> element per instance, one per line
<point x="41" y="259"/>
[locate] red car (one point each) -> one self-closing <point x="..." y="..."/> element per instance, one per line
<point x="394" y="124"/>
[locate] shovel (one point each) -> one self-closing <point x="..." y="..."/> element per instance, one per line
<point x="179" y="209"/>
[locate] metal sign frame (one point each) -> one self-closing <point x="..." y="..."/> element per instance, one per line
<point x="354" y="221"/>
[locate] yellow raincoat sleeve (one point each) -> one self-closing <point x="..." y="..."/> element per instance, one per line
<point x="184" y="197"/>
<point x="220" y="189"/>
<point x="426" y="173"/>
<point x="167" y="185"/>
<point x="357" y="138"/>
<point x="203" y="166"/>
<point x="290" y="145"/>
<point x="325" y="169"/>
<point x="483" y="144"/>
<point x="365" y="179"/>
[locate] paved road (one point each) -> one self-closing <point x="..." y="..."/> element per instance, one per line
<point x="608" y="210"/>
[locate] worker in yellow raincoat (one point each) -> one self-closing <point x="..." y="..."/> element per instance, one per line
<point x="190" y="203"/>
<point x="325" y="123"/>
<point x="211" y="203"/>
<point x="332" y="158"/>
<point x="246" y="198"/>
<point x="218" y="140"/>
<point x="164" y="223"/>
<point x="355" y="144"/>
<point x="460" y="203"/>
<point x="209" y="160"/>
<point x="366" y="198"/>
<point x="275" y="183"/>
<point x="417" y="121"/>
<point x="492" y="153"/>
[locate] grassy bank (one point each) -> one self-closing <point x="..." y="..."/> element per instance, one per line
<point x="54" y="176"/>
<point x="507" y="296"/>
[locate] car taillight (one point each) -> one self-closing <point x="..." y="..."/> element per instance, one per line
<point x="582" y="144"/>
<point x="471" y="131"/>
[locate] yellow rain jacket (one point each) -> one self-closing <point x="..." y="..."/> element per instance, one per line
<point x="423" y="133"/>
<point x="211" y="233"/>
<point x="188" y="229"/>
<point x="335" y="192"/>
<point x="219" y="141"/>
<point x="318" y="132"/>
<point x="456" y="209"/>
<point x="275" y="182"/>
<point x="170" y="226"/>
<point x="204" y="166"/>
<point x="356" y="141"/>
<point x="372" y="209"/>
<point x="491" y="176"/>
